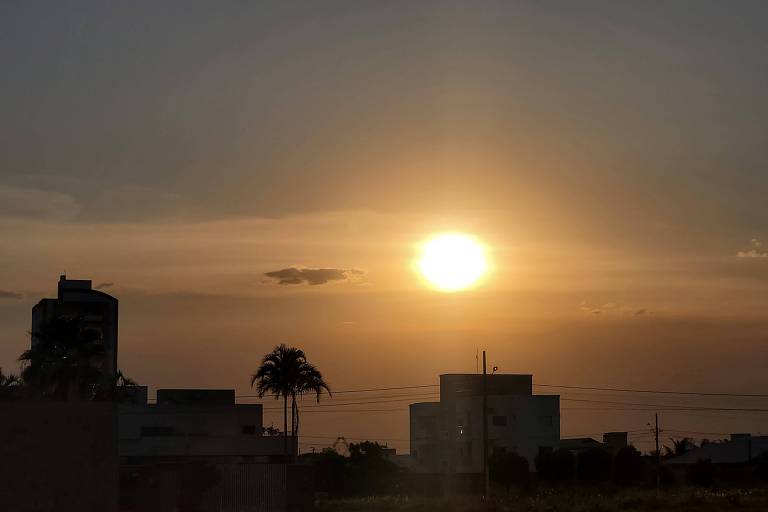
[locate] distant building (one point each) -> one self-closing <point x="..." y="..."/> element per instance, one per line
<point x="76" y="297"/>
<point x="741" y="449"/>
<point x="446" y="436"/>
<point x="612" y="442"/>
<point x="199" y="423"/>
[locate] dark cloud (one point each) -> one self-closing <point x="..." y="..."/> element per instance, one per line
<point x="5" y="294"/>
<point x="103" y="286"/>
<point x="312" y="276"/>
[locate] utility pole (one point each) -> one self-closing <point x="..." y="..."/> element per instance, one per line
<point x="485" y="430"/>
<point x="658" y="456"/>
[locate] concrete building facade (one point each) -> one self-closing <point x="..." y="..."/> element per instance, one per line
<point x="99" y="311"/>
<point x="205" y="424"/>
<point x="446" y="436"/>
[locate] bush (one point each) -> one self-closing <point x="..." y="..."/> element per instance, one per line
<point x="628" y="466"/>
<point x="556" y="466"/>
<point x="702" y="473"/>
<point x="594" y="466"/>
<point x="507" y="469"/>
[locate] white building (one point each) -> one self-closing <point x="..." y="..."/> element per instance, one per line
<point x="446" y="436"/>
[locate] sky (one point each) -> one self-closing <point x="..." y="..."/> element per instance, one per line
<point x="611" y="155"/>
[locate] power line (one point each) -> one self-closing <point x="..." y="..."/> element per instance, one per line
<point x="654" y="391"/>
<point x="671" y="406"/>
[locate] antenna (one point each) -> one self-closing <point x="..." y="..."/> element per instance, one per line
<point x="477" y="360"/>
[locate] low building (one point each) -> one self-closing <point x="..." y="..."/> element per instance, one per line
<point x="612" y="442"/>
<point x="199" y="446"/>
<point x="446" y="436"/>
<point x="198" y="423"/>
<point x="740" y="449"/>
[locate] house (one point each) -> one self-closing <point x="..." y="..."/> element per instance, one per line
<point x="446" y="436"/>
<point x="733" y="456"/>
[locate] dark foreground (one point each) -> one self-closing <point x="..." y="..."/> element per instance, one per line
<point x="681" y="500"/>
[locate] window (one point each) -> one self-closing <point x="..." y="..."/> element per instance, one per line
<point x="499" y="421"/>
<point x="157" y="431"/>
<point x="249" y="430"/>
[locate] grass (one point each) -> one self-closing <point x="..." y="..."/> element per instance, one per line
<point x="570" y="500"/>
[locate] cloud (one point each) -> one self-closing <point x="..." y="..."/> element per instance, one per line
<point x="612" y="308"/>
<point x="312" y="276"/>
<point x="756" y="250"/>
<point x="102" y="286"/>
<point x="32" y="203"/>
<point x="5" y="294"/>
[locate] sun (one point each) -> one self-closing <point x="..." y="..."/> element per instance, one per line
<point x="452" y="262"/>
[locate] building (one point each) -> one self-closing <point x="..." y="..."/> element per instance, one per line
<point x="205" y="424"/>
<point x="612" y="442"/>
<point x="77" y="298"/>
<point x="446" y="436"/>
<point x="739" y="450"/>
<point x="199" y="446"/>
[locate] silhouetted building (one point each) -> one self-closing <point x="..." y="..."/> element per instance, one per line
<point x="77" y="298"/>
<point x="612" y="442"/>
<point x="201" y="423"/>
<point x="740" y="449"/>
<point x="446" y="436"/>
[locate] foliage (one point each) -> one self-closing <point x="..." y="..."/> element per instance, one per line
<point x="9" y="385"/>
<point x="64" y="361"/>
<point x="507" y="468"/>
<point x="679" y="447"/>
<point x="594" y="465"/>
<point x="628" y="466"/>
<point x="285" y="373"/>
<point x="366" y="472"/>
<point x="702" y="473"/>
<point x="556" y="466"/>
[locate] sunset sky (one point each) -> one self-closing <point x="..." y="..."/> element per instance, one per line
<point x="612" y="158"/>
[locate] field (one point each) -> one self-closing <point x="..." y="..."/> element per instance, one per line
<point x="681" y="500"/>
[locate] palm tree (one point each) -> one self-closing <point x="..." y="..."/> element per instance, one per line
<point x="285" y="373"/>
<point x="679" y="447"/>
<point x="65" y="359"/>
<point x="8" y="384"/>
<point x="310" y="382"/>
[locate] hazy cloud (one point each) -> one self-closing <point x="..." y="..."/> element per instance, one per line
<point x="102" y="286"/>
<point x="5" y="294"/>
<point x="312" y="276"/>
<point x="612" y="308"/>
<point x="21" y="202"/>
<point x="755" y="251"/>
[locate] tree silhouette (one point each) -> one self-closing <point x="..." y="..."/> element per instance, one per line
<point x="65" y="360"/>
<point x="9" y="384"/>
<point x="679" y="447"/>
<point x="285" y="373"/>
<point x="507" y="468"/>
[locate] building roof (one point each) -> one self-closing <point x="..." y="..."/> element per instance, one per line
<point x="580" y="443"/>
<point x="735" y="451"/>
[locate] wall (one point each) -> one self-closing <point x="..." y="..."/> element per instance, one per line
<point x="58" y="456"/>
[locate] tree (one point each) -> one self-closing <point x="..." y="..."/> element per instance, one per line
<point x="679" y="447"/>
<point x="369" y="471"/>
<point x="9" y="385"/>
<point x="628" y="466"/>
<point x="556" y="466"/>
<point x="507" y="468"/>
<point x="65" y="360"/>
<point x="701" y="473"/>
<point x="285" y="373"/>
<point x="594" y="465"/>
